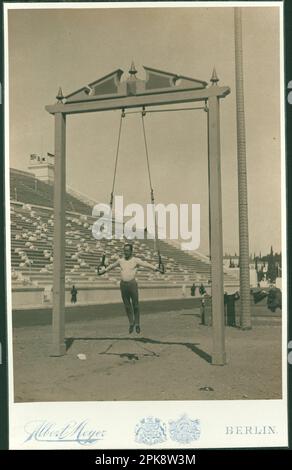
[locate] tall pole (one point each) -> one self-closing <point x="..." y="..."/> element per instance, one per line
<point x="59" y="236"/>
<point x="215" y="208"/>
<point x="208" y="138"/>
<point x="245" y="314"/>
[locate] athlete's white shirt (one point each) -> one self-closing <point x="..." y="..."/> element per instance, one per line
<point x="129" y="267"/>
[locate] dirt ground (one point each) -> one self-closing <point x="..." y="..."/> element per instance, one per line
<point x="169" y="360"/>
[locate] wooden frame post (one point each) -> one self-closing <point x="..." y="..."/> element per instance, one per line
<point x="59" y="348"/>
<point x="215" y="204"/>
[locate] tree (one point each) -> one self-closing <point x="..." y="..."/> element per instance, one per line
<point x="272" y="269"/>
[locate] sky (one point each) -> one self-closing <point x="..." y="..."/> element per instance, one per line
<point x="49" y="48"/>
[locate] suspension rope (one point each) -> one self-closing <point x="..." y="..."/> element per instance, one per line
<point x="147" y="157"/>
<point x="143" y="113"/>
<point x="102" y="264"/>
<point x="156" y="239"/>
<point x="117" y="157"/>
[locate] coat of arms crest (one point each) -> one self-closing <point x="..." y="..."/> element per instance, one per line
<point x="150" y="431"/>
<point x="184" y="430"/>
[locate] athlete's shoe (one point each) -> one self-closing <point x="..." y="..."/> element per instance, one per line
<point x="138" y="329"/>
<point x="131" y="328"/>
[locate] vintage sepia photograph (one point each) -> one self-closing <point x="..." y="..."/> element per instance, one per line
<point x="146" y="251"/>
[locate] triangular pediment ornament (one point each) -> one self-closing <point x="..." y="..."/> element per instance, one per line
<point x="111" y="85"/>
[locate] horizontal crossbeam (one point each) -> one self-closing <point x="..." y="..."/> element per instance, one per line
<point x="137" y="101"/>
<point x="165" y="110"/>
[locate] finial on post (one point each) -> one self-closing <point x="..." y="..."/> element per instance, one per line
<point x="214" y="79"/>
<point x="60" y="95"/>
<point x="132" y="70"/>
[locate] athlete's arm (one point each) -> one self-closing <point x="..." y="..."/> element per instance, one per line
<point x="146" y="265"/>
<point x="112" y="266"/>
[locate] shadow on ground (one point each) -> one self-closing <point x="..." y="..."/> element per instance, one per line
<point x="191" y="346"/>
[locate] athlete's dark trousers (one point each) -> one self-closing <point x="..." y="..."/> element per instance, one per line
<point x="129" y="291"/>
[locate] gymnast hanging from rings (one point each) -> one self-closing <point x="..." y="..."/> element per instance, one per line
<point x="129" y="264"/>
<point x="128" y="284"/>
